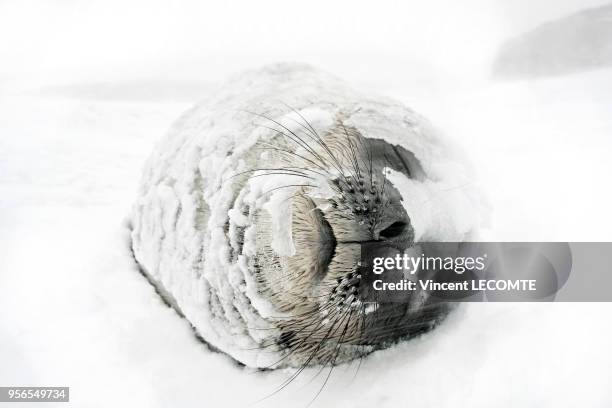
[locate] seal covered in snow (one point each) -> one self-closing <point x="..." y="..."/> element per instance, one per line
<point x="253" y="211"/>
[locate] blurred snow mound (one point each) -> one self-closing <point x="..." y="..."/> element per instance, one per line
<point x="575" y="43"/>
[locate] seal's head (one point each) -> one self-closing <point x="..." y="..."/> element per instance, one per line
<point x="258" y="220"/>
<point x="343" y="210"/>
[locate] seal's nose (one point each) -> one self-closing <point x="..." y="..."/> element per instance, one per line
<point x="392" y="222"/>
<point x="394" y="225"/>
<point x="394" y="230"/>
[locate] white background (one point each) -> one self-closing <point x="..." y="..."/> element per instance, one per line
<point x="86" y="88"/>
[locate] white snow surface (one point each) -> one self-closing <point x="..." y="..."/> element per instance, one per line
<point x="75" y="311"/>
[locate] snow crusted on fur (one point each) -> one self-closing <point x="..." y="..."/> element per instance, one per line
<point x="190" y="211"/>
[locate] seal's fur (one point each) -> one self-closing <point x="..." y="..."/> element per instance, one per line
<point x="253" y="210"/>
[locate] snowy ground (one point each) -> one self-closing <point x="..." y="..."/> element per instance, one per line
<point x="75" y="312"/>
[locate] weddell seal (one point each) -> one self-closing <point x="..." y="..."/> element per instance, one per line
<point x="252" y="212"/>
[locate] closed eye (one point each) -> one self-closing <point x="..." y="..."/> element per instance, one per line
<point x="327" y="244"/>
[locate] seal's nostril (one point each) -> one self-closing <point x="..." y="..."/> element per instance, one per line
<point x="393" y="230"/>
